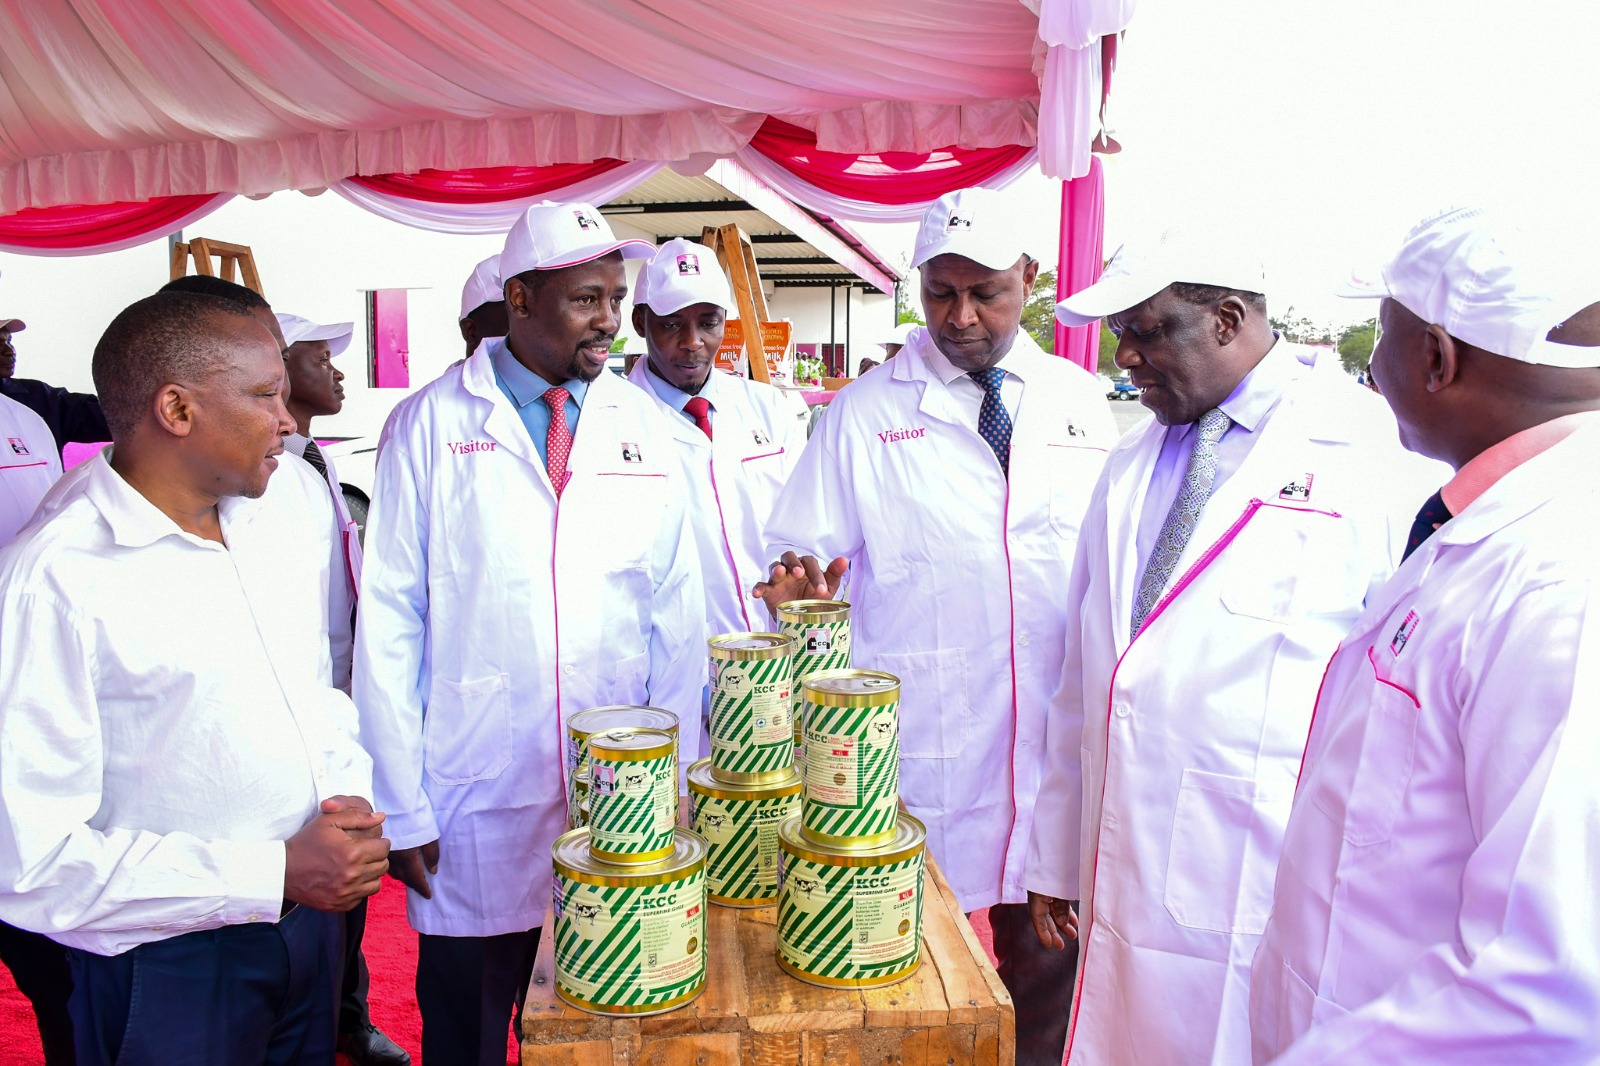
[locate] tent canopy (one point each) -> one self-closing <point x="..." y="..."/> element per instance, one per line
<point x="105" y="101"/>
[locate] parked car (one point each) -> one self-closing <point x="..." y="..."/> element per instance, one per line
<point x="1122" y="388"/>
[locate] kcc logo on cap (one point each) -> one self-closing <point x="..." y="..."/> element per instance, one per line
<point x="957" y="222"/>
<point x="689" y="263"/>
<point x="584" y="221"/>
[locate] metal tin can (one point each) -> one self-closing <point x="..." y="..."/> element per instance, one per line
<point x="629" y="939"/>
<point x="633" y="795"/>
<point x="752" y="707"/>
<point x="578" y="809"/>
<point x="852" y="771"/>
<point x="820" y="630"/>
<point x="740" y="825"/>
<point x="599" y="719"/>
<point x="849" y="918"/>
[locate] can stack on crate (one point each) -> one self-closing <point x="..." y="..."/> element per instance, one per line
<point x="820" y="630"/>
<point x="851" y="883"/>
<point x="629" y="891"/>
<point x="747" y="786"/>
<point x="594" y="720"/>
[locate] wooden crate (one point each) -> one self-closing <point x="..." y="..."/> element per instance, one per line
<point x="953" y="1010"/>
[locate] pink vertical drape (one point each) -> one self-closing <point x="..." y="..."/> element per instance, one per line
<point x="1083" y="214"/>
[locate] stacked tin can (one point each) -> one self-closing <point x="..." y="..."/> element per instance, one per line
<point x="629" y="890"/>
<point x="820" y="630"/>
<point x="743" y="791"/>
<point x="850" y="895"/>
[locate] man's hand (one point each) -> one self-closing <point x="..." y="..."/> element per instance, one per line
<point x="338" y="859"/>
<point x="411" y="867"/>
<point x="1053" y="919"/>
<point x="800" y="577"/>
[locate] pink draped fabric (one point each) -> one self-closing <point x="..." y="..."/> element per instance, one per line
<point x="75" y="228"/>
<point x="1083" y="212"/>
<point x="485" y="185"/>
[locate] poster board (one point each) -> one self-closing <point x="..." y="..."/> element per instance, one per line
<point x="776" y="343"/>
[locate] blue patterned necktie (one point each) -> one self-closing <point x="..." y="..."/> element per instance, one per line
<point x="1433" y="515"/>
<point x="994" y="424"/>
<point x="1183" y="516"/>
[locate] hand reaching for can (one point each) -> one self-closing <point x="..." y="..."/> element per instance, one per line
<point x="800" y="577"/>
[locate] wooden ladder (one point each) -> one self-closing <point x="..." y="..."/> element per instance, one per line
<point x="231" y="259"/>
<point x="738" y="261"/>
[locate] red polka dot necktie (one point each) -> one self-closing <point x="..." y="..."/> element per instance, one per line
<point x="994" y="424"/>
<point x="558" y="442"/>
<point x="699" y="409"/>
<point x="1433" y="515"/>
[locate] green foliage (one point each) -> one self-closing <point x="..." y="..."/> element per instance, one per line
<point x="908" y="311"/>
<point x="1108" y="352"/>
<point x="1039" y="313"/>
<point x="1300" y="329"/>
<point x="1356" y="344"/>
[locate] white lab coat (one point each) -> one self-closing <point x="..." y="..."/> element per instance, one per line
<point x="489" y="615"/>
<point x="29" y="465"/>
<point x="1436" y="898"/>
<point x="732" y="483"/>
<point x="955" y="582"/>
<point x="1177" y="754"/>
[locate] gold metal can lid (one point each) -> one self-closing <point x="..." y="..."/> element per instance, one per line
<point x="851" y="688"/>
<point x="627" y="744"/>
<point x="574" y="860"/>
<point x="598" y="719"/>
<point x="704" y="782"/>
<point x="910" y="835"/>
<point x="748" y="647"/>
<point x="814" y="611"/>
<point x="580" y="780"/>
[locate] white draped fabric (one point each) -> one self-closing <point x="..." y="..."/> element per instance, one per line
<point x="491" y="217"/>
<point x="128" y="100"/>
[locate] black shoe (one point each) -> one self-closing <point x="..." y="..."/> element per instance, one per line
<point x="367" y="1046"/>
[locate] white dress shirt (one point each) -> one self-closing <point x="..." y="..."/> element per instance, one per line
<point x="29" y="465"/>
<point x="967" y="393"/>
<point x="166" y="721"/>
<point x="345" y="571"/>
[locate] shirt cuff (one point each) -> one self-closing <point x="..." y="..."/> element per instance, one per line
<point x="253" y="873"/>
<point x="1054" y="887"/>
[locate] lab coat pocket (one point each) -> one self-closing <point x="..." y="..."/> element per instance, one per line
<point x="1382" y="771"/>
<point x="935" y="713"/>
<point x="466" y="732"/>
<point x="1225" y="836"/>
<point x="630" y="683"/>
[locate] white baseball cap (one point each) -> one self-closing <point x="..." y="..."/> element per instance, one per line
<point x="549" y="236"/>
<point x="1137" y="271"/>
<point x="297" y="329"/>
<point x="974" y="223"/>
<point x="1498" y="281"/>
<point x="899" y="334"/>
<point x="483" y="286"/>
<point x="682" y="274"/>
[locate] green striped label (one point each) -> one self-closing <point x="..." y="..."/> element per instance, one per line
<point x="742" y="845"/>
<point x="850" y="923"/>
<point x="818" y="646"/>
<point x="633" y="805"/>
<point x="752" y="729"/>
<point x="626" y="947"/>
<point x="852" y="770"/>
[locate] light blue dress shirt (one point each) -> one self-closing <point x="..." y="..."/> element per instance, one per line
<point x="1249" y="405"/>
<point x="526" y="390"/>
<point x="675" y="397"/>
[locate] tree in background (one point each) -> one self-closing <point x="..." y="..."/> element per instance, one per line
<point x="1300" y="329"/>
<point x="1356" y="344"/>
<point x="1039" y="313"/>
<point x="1108" y="352"/>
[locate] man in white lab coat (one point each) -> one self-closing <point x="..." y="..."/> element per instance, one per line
<point x="971" y="453"/>
<point x="738" y="439"/>
<point x="1436" y="901"/>
<point x="529" y="555"/>
<point x="1228" y="546"/>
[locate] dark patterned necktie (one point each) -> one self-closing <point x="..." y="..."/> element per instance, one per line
<point x="313" y="455"/>
<point x="994" y="424"/>
<point x="1433" y="515"/>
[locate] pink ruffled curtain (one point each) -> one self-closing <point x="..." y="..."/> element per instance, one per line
<point x="484" y="185"/>
<point x="75" y="228"/>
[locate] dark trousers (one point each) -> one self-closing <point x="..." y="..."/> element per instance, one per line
<point x="467" y="990"/>
<point x="39" y="966"/>
<point x="242" y="995"/>
<point x="1040" y="982"/>
<point x="353" y="988"/>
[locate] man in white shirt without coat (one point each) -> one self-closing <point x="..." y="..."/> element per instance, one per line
<point x="738" y="439"/>
<point x="182" y="798"/>
<point x="529" y="556"/>
<point x="1228" y="545"/>
<point x="1436" y="901"/>
<point x="971" y="453"/>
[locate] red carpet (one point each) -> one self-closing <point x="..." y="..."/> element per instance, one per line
<point x="391" y="949"/>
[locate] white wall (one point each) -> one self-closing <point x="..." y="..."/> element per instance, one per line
<point x="871" y="317"/>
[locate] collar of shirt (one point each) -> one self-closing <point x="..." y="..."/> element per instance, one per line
<point x="1481" y="472"/>
<point x="523" y="385"/>
<point x="295" y="444"/>
<point x="675" y="397"/>
<point x="1253" y="399"/>
<point x="949" y="373"/>
<point x="136" y="522"/>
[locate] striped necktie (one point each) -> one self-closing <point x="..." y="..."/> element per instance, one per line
<point x="1182" y="516"/>
<point x="994" y="423"/>
<point x="313" y="455"/>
